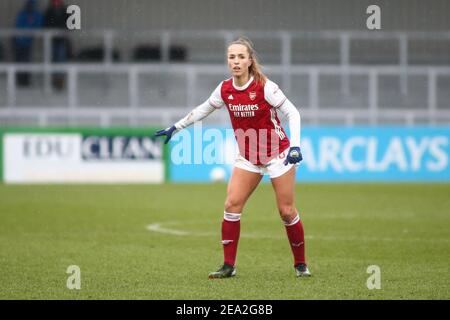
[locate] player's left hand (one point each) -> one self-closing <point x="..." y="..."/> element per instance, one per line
<point x="294" y="156"/>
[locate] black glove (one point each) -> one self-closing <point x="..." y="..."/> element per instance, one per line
<point x="294" y="156"/>
<point x="168" y="132"/>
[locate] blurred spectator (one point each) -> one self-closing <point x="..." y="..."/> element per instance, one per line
<point x="28" y="18"/>
<point x="55" y="17"/>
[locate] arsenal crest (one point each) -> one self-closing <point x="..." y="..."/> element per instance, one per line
<point x="252" y="95"/>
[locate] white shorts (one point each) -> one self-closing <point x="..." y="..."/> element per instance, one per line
<point x="274" y="168"/>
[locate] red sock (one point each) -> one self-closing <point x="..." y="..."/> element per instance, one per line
<point x="296" y="237"/>
<point x="231" y="227"/>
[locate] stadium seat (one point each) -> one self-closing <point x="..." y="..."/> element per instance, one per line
<point x="2" y="57"/>
<point x="96" y="54"/>
<point x="147" y="53"/>
<point x="178" y="53"/>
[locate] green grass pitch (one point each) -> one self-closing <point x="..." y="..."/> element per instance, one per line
<point x="402" y="228"/>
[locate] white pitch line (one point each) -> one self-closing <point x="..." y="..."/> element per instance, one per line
<point x="156" y="227"/>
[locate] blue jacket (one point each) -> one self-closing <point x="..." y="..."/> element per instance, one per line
<point x="28" y="18"/>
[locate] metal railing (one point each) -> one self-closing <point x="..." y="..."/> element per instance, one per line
<point x="285" y="70"/>
<point x="312" y="109"/>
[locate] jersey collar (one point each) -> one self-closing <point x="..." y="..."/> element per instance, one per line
<point x="245" y="86"/>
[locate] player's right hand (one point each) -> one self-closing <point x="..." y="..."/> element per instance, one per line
<point x="168" y="132"/>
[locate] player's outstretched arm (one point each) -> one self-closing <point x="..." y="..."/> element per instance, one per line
<point x="199" y="113"/>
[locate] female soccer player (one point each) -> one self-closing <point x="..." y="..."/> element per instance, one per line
<point x="252" y="101"/>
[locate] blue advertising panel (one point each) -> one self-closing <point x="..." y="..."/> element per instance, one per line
<point x="382" y="153"/>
